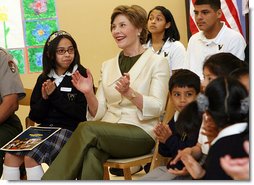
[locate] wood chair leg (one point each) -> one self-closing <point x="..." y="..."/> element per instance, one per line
<point x="127" y="173"/>
<point x="106" y="173"/>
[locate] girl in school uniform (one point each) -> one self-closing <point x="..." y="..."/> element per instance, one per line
<point x="217" y="65"/>
<point x="55" y="102"/>
<point x="226" y="101"/>
<point x="163" y="37"/>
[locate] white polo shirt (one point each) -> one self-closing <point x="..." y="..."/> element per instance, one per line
<point x="199" y="47"/>
<point x="202" y="140"/>
<point x="175" y="53"/>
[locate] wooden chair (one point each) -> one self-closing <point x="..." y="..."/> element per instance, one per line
<point x="159" y="160"/>
<point x="126" y="164"/>
<point x="26" y="102"/>
<point x="154" y="157"/>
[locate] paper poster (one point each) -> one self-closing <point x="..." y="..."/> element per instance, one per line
<point x="24" y="28"/>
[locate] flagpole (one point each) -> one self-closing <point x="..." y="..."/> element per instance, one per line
<point x="187" y="10"/>
<point x="247" y="27"/>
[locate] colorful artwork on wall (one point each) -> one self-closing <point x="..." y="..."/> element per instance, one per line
<point x="24" y="28"/>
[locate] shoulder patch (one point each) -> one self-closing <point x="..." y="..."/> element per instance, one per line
<point x="3" y="51"/>
<point x="12" y="66"/>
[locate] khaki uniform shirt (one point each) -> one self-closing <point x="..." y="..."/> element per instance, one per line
<point x="10" y="81"/>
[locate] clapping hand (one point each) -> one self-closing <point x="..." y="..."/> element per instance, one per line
<point x="123" y="84"/>
<point x="237" y="168"/>
<point x="162" y="132"/>
<point x="209" y="128"/>
<point x="48" y="88"/>
<point x="84" y="85"/>
<point x="178" y="157"/>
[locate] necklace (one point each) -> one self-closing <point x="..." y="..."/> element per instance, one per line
<point x="158" y="52"/>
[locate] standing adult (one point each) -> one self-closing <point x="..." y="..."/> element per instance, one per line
<point x="131" y="96"/>
<point x="11" y="90"/>
<point x="214" y="36"/>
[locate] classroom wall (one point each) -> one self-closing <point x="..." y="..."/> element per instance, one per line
<point x="89" y="23"/>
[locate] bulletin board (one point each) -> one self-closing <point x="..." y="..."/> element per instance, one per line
<point x="24" y="28"/>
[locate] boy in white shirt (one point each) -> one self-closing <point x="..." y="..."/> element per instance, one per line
<point x="214" y="36"/>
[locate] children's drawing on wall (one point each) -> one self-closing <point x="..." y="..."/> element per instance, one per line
<point x="24" y="27"/>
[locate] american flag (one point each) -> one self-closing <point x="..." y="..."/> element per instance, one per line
<point x="231" y="14"/>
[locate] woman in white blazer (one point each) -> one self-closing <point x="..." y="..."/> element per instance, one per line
<point x="131" y="96"/>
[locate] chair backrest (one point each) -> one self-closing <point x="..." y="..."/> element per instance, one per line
<point x="26" y="102"/>
<point x="159" y="160"/>
<point x="169" y="111"/>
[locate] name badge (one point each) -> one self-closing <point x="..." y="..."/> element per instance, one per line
<point x="65" y="89"/>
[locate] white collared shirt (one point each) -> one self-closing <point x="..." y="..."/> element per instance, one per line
<point x="230" y="130"/>
<point x="199" y="47"/>
<point x="203" y="140"/>
<point x="59" y="79"/>
<point x="176" y="115"/>
<point x="175" y="53"/>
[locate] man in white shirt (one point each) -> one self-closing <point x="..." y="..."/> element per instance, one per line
<point x="214" y="36"/>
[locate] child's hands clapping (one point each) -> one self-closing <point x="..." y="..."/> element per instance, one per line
<point x="162" y="132"/>
<point x="47" y="88"/>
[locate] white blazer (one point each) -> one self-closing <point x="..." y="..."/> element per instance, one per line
<point x="149" y="76"/>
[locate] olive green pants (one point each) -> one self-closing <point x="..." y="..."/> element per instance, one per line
<point x="91" y="144"/>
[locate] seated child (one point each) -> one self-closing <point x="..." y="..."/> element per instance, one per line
<point x="184" y="87"/>
<point x="242" y="75"/>
<point x="55" y="102"/>
<point x="217" y="65"/>
<point x="226" y="101"/>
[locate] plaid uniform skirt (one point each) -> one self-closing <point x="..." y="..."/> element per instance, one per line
<point x="47" y="151"/>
